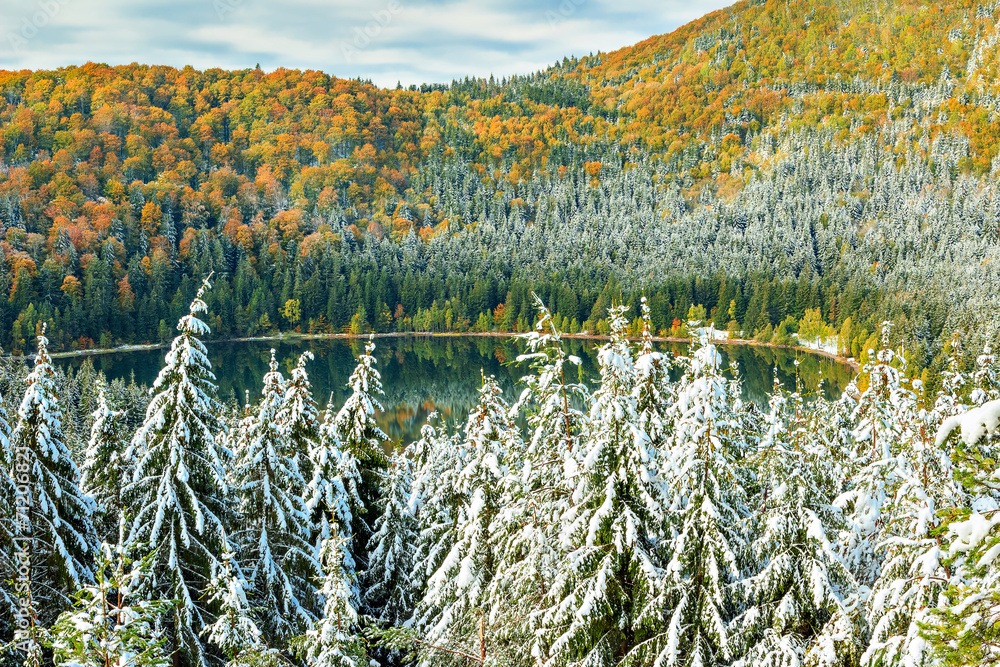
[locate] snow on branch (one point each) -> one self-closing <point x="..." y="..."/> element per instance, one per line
<point x="973" y="424"/>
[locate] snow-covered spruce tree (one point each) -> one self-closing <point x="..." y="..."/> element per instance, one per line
<point x="708" y="506"/>
<point x="389" y="593"/>
<point x="59" y="513"/>
<point x="113" y="621"/>
<point x="539" y="487"/>
<point x="652" y="387"/>
<point x="178" y="486"/>
<point x="987" y="378"/>
<point x="883" y="410"/>
<point x="332" y="496"/>
<point x="105" y="469"/>
<point x="832" y="428"/>
<point x="914" y="572"/>
<point x="333" y="640"/>
<point x="299" y="417"/>
<point x="274" y="527"/>
<point x="8" y="527"/>
<point x="604" y="606"/>
<point x="361" y="436"/>
<point x="971" y="458"/>
<point x="954" y="382"/>
<point x="964" y="628"/>
<point x="456" y="597"/>
<point x="551" y="403"/>
<point x="435" y="498"/>
<point x="801" y="581"/>
<point x="235" y="631"/>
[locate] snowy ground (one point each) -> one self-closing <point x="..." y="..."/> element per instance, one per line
<point x="829" y="345"/>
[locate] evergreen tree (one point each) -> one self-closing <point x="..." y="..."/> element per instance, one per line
<point x="948" y="401"/>
<point x="987" y="378"/>
<point x="10" y="526"/>
<point x="333" y="640"/>
<point x="915" y="571"/>
<point x="801" y="581"/>
<point x="652" y="387"/>
<point x="456" y="597"/>
<point x="361" y="436"/>
<point x="604" y="605"/>
<point x="274" y="531"/>
<point x="105" y="469"/>
<point x="235" y="631"/>
<point x="113" y="621"/>
<point x="539" y="487"/>
<point x="332" y="495"/>
<point x="389" y="593"/>
<point x="59" y="513"/>
<point x="551" y="401"/>
<point x="882" y="413"/>
<point x="435" y="497"/>
<point x="708" y="503"/>
<point x="179" y="486"/>
<point x="299" y="417"/>
<point x="963" y="628"/>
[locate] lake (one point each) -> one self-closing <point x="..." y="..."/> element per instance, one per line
<point x="422" y="374"/>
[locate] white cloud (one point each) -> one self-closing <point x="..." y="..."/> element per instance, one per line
<point x="413" y="41"/>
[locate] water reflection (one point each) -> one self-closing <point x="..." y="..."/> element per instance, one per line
<point x="423" y="374"/>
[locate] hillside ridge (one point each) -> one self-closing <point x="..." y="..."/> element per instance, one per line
<point x="846" y="152"/>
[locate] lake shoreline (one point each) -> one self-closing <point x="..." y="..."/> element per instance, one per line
<point x="849" y="362"/>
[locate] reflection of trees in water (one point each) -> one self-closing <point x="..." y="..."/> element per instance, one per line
<point x="424" y="374"/>
<point x="757" y="364"/>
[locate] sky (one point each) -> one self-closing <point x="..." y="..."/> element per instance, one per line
<point x="386" y="41"/>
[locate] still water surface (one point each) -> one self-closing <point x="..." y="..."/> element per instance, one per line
<point x="424" y="374"/>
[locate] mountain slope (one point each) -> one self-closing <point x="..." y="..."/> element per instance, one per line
<point x="847" y="150"/>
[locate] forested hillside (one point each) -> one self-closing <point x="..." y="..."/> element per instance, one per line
<point x="764" y="161"/>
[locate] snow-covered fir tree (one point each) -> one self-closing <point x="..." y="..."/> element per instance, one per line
<point x="180" y="494"/>
<point x="883" y="411"/>
<point x="299" y="418"/>
<point x="801" y="581"/>
<point x="105" y="469"/>
<point x="915" y="572"/>
<point x="949" y="400"/>
<point x="604" y="606"/>
<point x="832" y="427"/>
<point x="552" y="403"/>
<point x="708" y="506"/>
<point x="539" y="487"/>
<point x="274" y="525"/>
<point x="113" y="621"/>
<point x="963" y="628"/>
<point x="361" y="436"/>
<point x="59" y="513"/>
<point x="652" y="387"/>
<point x="332" y="496"/>
<point x="9" y="525"/>
<point x="456" y="599"/>
<point x="986" y="378"/>
<point x="333" y="640"/>
<point x="969" y="457"/>
<point x="389" y="593"/>
<point x="435" y="498"/>
<point x="235" y="630"/>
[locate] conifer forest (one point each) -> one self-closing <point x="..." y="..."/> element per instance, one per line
<point x="806" y="174"/>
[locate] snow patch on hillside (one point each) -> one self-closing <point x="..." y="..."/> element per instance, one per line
<point x="828" y="345"/>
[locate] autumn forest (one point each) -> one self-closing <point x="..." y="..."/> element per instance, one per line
<point x="676" y="168"/>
